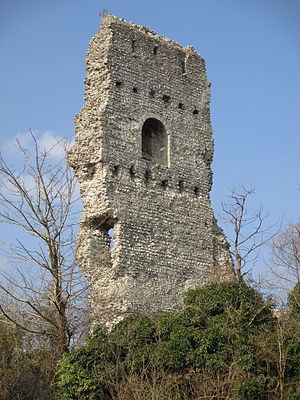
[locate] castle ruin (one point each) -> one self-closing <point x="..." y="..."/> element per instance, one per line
<point x="142" y="154"/>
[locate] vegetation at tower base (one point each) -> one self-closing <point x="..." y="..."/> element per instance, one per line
<point x="27" y="365"/>
<point x="225" y="343"/>
<point x="292" y="344"/>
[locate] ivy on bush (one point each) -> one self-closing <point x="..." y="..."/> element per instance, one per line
<point x="218" y="336"/>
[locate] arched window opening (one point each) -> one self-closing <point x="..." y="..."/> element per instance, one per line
<point x="154" y="142"/>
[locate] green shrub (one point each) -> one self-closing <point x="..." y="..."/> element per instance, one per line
<point x="212" y="341"/>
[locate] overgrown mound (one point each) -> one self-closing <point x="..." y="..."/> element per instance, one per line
<point x="223" y="344"/>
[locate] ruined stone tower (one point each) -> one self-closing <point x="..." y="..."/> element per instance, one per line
<point x="142" y="155"/>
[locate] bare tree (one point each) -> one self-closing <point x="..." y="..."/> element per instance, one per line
<point x="45" y="281"/>
<point x="248" y="232"/>
<point x="285" y="259"/>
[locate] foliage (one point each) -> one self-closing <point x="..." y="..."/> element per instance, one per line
<point x="292" y="344"/>
<point x="26" y="367"/>
<point x="225" y="343"/>
<point x="218" y="346"/>
<point x="294" y="300"/>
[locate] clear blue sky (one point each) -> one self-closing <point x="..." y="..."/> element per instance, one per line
<point x="252" y="51"/>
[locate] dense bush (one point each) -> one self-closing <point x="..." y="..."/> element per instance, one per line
<point x="27" y="366"/>
<point x="292" y="345"/>
<point x="224" y="343"/>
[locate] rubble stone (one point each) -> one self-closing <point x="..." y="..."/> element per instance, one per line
<point x="142" y="154"/>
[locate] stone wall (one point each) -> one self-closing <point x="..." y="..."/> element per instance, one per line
<point x="142" y="155"/>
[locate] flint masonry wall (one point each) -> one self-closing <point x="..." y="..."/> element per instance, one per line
<point x="142" y="155"/>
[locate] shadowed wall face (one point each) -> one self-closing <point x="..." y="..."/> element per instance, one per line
<point x="142" y="154"/>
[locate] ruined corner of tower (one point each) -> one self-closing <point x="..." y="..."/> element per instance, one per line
<point x="142" y="154"/>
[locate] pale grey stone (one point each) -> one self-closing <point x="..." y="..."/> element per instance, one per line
<point x="142" y="154"/>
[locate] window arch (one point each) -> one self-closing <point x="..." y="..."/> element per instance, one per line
<point x="155" y="142"/>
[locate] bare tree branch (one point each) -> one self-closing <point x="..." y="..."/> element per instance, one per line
<point x="285" y="259"/>
<point x="248" y="230"/>
<point x="39" y="200"/>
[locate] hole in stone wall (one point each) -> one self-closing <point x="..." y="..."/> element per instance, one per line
<point x="111" y="236"/>
<point x="90" y="169"/>
<point x="105" y="225"/>
<point x="132" y="171"/>
<point x="196" y="191"/>
<point x="155" y="50"/>
<point x="118" y="83"/>
<point x="166" y="98"/>
<point x="180" y="105"/>
<point x="116" y="170"/>
<point x="164" y="184"/>
<point x="135" y="89"/>
<point x="180" y="186"/>
<point x="183" y="70"/>
<point x="147" y="176"/>
<point x="133" y="45"/>
<point x="154" y="141"/>
<point x="195" y="112"/>
<point x="152" y="93"/>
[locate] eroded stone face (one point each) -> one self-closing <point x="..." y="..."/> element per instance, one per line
<point x="142" y="155"/>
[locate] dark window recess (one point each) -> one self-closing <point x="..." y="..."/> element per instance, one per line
<point x="155" y="50"/>
<point x="183" y="70"/>
<point x="135" y="89"/>
<point x="91" y="169"/>
<point x="147" y="176"/>
<point x="133" y="45"/>
<point x="166" y="98"/>
<point x="118" y="83"/>
<point x="196" y="191"/>
<point x="116" y="170"/>
<point x="181" y="106"/>
<point x="180" y="186"/>
<point x="152" y="93"/>
<point x="132" y="171"/>
<point x="195" y="112"/>
<point x="154" y="142"/>
<point x="164" y="184"/>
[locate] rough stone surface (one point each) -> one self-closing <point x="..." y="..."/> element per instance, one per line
<point x="142" y="155"/>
